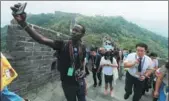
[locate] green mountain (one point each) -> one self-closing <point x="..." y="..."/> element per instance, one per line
<point x="125" y="34"/>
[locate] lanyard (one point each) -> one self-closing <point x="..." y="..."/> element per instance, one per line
<point x="72" y="55"/>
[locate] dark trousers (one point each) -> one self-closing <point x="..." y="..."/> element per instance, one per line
<point x="73" y="92"/>
<point x="108" y="80"/>
<point x="146" y="86"/>
<point x="98" y="76"/>
<point x="138" y="86"/>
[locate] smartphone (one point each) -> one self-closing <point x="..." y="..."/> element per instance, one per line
<point x="21" y="8"/>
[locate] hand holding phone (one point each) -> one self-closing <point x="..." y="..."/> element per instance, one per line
<point x="18" y="12"/>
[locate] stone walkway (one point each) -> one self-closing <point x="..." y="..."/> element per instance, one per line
<point x="53" y="92"/>
<point x="97" y="94"/>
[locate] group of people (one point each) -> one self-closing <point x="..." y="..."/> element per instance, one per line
<point x="73" y="68"/>
<point x="102" y="61"/>
<point x="144" y="73"/>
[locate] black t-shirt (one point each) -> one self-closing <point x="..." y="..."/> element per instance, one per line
<point x="64" y="61"/>
<point x="95" y="61"/>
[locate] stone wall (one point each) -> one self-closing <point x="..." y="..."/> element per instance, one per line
<point x="31" y="60"/>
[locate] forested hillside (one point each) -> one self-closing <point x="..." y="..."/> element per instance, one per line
<point x="124" y="33"/>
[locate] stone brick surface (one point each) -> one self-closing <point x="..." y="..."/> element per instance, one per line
<point x="31" y="60"/>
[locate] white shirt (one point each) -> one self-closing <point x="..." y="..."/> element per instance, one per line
<point x="107" y="70"/>
<point x="146" y="64"/>
<point x="155" y="63"/>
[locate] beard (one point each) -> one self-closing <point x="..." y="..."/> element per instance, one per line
<point x="76" y="36"/>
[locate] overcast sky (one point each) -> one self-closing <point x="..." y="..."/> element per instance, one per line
<point x="149" y="14"/>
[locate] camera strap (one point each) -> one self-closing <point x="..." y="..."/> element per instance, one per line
<point x="72" y="69"/>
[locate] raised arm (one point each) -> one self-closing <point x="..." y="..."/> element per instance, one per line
<point x="158" y="84"/>
<point x="130" y="62"/>
<point x="21" y="19"/>
<point x="37" y="36"/>
<point x="161" y="73"/>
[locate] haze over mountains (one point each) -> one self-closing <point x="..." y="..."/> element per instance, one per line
<point x="123" y="32"/>
<point x="152" y="15"/>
